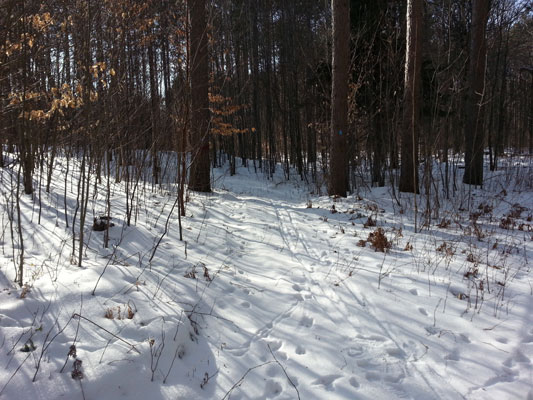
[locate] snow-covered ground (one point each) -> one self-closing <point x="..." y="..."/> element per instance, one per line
<point x="274" y="293"/>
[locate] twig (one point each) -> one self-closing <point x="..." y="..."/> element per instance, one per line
<point x="284" y="371"/>
<point x="244" y="376"/>
<point x="75" y="339"/>
<point x="435" y="313"/>
<point x="104" y="329"/>
<point x="178" y="352"/>
<point x="14" y="373"/>
<point x="45" y="347"/>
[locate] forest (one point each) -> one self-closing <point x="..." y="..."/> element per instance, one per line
<point x="254" y="199"/>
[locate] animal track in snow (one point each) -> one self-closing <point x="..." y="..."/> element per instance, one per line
<point x="396" y="352"/>
<point x="274" y="344"/>
<point x="367" y="363"/>
<point x="423" y="311"/>
<point x="245" y="304"/>
<point x="414" y="292"/>
<point x="453" y="356"/>
<point x="394" y="378"/>
<point x="272" y="388"/>
<point x="355" y="351"/>
<point x="354" y="382"/>
<point x="326" y="380"/>
<point x="297" y="287"/>
<point x="272" y="370"/>
<point x="300" y="350"/>
<point x="307" y="322"/>
<point x="373" y="338"/>
<point x="528" y="339"/>
<point x="372" y="376"/>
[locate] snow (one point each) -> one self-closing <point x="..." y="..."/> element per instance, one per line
<point x="266" y="297"/>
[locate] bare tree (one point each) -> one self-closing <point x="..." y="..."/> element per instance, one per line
<point x="411" y="102"/>
<point x="199" y="179"/>
<point x="474" y="137"/>
<point x="338" y="180"/>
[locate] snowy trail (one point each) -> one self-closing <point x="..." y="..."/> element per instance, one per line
<point x="316" y="311"/>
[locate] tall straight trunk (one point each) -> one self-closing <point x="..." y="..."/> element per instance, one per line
<point x="411" y="101"/>
<point x="154" y="115"/>
<point x="199" y="179"/>
<point x="474" y="137"/>
<point x="338" y="179"/>
<point x="255" y="82"/>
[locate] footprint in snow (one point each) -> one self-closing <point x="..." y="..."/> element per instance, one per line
<point x="272" y="389"/>
<point x="372" y="376"/>
<point x="453" y="356"/>
<point x="355" y="351"/>
<point x="394" y="378"/>
<point x="464" y="338"/>
<point x="367" y="363"/>
<point x="423" y="311"/>
<point x="528" y="339"/>
<point x="245" y="304"/>
<point x="373" y="338"/>
<point x="297" y="287"/>
<point x="272" y="370"/>
<point x="414" y="292"/>
<point x="354" y="382"/>
<point x="396" y="352"/>
<point x="307" y="322"/>
<point x="326" y="380"/>
<point x="300" y="350"/>
<point x="274" y="345"/>
<point x="521" y="358"/>
<point x="299" y="279"/>
<point x="230" y="289"/>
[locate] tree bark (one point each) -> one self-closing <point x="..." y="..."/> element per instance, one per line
<point x="199" y="179"/>
<point x="474" y="138"/>
<point x="411" y="101"/>
<point x="338" y="179"/>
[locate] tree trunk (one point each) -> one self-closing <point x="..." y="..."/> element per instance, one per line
<point x="338" y="179"/>
<point x="474" y="138"/>
<point x="411" y="101"/>
<point x="199" y="179"/>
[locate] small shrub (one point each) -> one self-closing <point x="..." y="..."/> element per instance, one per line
<point x="471" y="273"/>
<point x="25" y="290"/>
<point x="516" y="211"/>
<point x="507" y="223"/>
<point x="379" y="241"/>
<point x="77" y="373"/>
<point x="485" y="208"/>
<point x="369" y="222"/>
<point x="206" y="274"/>
<point x="109" y="314"/>
<point x="116" y="312"/>
<point x="470" y="258"/>
<point x="446" y="249"/>
<point x="444" y="223"/>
